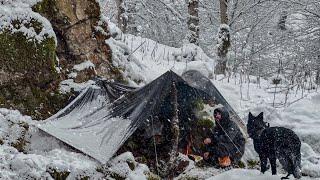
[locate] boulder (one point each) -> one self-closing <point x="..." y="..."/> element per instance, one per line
<point x="28" y="76"/>
<point x="81" y="35"/>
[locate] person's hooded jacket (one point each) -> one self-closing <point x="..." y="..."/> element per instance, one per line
<point x="227" y="138"/>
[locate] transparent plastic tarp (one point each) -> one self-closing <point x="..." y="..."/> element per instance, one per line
<point x="104" y="116"/>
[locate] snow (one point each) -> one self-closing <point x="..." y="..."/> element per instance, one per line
<point x="72" y="75"/>
<point x="45" y="153"/>
<point x="301" y="115"/>
<point x="236" y="174"/>
<point x="304" y="119"/>
<point x="150" y="59"/>
<point x="69" y="84"/>
<point x="144" y="59"/>
<point x="311" y="161"/>
<point x="120" y="166"/>
<point x="225" y="26"/>
<point x="296" y="21"/>
<point x="141" y="61"/>
<point x="199" y="172"/>
<point x="16" y="165"/>
<point x="20" y="2"/>
<point x="42" y="153"/>
<point x="84" y="65"/>
<point x="112" y="28"/>
<point x="21" y="10"/>
<point x="146" y="63"/>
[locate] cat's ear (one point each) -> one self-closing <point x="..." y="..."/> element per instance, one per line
<point x="260" y="116"/>
<point x="250" y="115"/>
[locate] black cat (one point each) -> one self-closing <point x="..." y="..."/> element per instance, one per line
<point x="275" y="143"/>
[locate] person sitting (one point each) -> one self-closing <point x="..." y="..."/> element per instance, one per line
<point x="226" y="145"/>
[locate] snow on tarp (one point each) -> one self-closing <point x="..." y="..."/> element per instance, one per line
<point x="98" y="140"/>
<point x="104" y="116"/>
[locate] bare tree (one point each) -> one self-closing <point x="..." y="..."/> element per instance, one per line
<point x="260" y="30"/>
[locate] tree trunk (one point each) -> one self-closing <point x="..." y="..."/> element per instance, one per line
<point x="223" y="39"/>
<point x="121" y="17"/>
<point x="282" y="20"/>
<point x="175" y="132"/>
<point x="221" y="66"/>
<point x="193" y="21"/>
<point x="318" y="76"/>
<point x="223" y="11"/>
<point x="318" y="71"/>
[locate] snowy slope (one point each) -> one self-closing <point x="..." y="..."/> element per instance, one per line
<point x="143" y="60"/>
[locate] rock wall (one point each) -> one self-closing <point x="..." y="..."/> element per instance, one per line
<point x="31" y="69"/>
<point x="28" y="78"/>
<point x="75" y="23"/>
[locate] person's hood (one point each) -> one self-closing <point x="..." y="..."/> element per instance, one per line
<point x="225" y="119"/>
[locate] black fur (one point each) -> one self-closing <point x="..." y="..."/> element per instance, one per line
<point x="275" y="143"/>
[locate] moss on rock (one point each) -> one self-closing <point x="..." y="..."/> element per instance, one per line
<point x="241" y="164"/>
<point x="50" y="9"/>
<point x="198" y="104"/>
<point x="252" y="164"/>
<point x="152" y="176"/>
<point x="31" y="100"/>
<point x="22" y="55"/>
<point x="29" y="66"/>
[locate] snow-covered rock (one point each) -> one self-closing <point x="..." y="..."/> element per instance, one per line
<point x="17" y="16"/>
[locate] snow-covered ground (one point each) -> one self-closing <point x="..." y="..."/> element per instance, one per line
<point x="302" y="116"/>
<point x="143" y="60"/>
<point x="236" y="174"/>
<point x="295" y="110"/>
<point x="44" y="156"/>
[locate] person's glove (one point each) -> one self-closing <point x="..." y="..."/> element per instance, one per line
<point x="206" y="155"/>
<point x="207" y="141"/>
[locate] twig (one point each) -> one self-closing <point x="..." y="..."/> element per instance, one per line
<point x="136" y="49"/>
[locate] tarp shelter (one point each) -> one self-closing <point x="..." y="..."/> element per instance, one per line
<point x="101" y="118"/>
